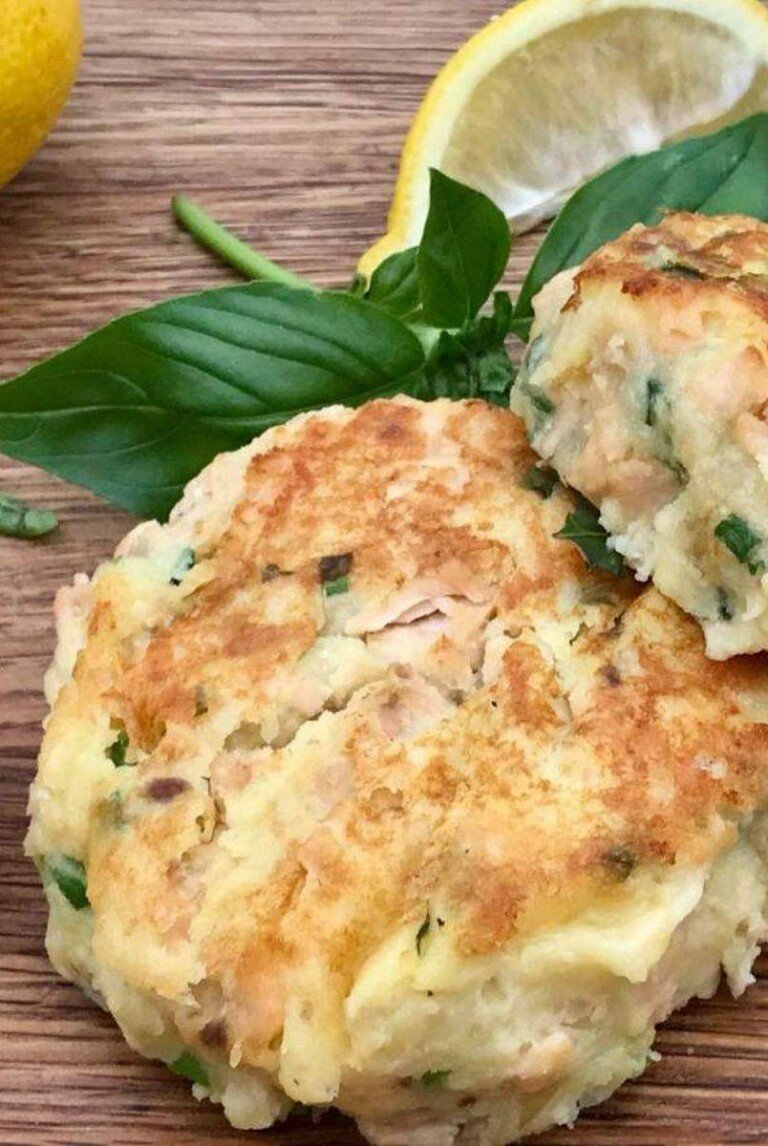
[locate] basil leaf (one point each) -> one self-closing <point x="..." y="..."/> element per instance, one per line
<point x="189" y="1066"/>
<point x="583" y="528"/>
<point x="20" y="520"/>
<point x="463" y="252"/>
<point x="721" y="173"/>
<point x="138" y="408"/>
<point x="394" y="285"/>
<point x="69" y="876"/>
<point x="741" y="539"/>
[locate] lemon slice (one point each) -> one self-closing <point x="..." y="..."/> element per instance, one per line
<point x="554" y="91"/>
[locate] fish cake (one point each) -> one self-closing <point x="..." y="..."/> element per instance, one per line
<point x="646" y="386"/>
<point x="360" y="789"/>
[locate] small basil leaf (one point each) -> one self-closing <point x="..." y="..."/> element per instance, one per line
<point x="20" y="520"/>
<point x="138" y="408"/>
<point x="583" y="528"/>
<point x="458" y="370"/>
<point x="462" y="254"/>
<point x="394" y="285"/>
<point x="472" y="362"/>
<point x="189" y="1066"/>
<point x="715" y="174"/>
<point x="494" y="374"/>
<point x="69" y="876"/>
<point x="490" y="330"/>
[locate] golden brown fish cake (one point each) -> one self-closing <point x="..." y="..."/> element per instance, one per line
<point x="646" y="385"/>
<point x="382" y="798"/>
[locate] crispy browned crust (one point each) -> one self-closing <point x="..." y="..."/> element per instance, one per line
<point x="728" y="252"/>
<point x="576" y="767"/>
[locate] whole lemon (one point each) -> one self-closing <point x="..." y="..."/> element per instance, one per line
<point x="40" y="42"/>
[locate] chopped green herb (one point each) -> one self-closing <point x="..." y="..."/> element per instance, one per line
<point x="20" y="520"/>
<point x="333" y="588"/>
<point x="579" y="632"/>
<point x="189" y="1066"/>
<point x="270" y="572"/>
<point x="653" y="390"/>
<point x="541" y="480"/>
<point x="118" y="748"/>
<point x="534" y="355"/>
<point x="542" y="405"/>
<point x="433" y="1079"/>
<point x="69" y="876"/>
<point x="725" y="610"/>
<point x="334" y="567"/>
<point x="742" y="541"/>
<point x="184" y="563"/>
<point x="422" y="933"/>
<point x="334" y="573"/>
<point x="620" y="861"/>
<point x="680" y="472"/>
<point x="583" y="528"/>
<point x="682" y="271"/>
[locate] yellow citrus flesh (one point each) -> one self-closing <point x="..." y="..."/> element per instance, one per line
<point x="554" y="91"/>
<point x="40" y="42"/>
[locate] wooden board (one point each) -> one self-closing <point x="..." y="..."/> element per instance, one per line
<point x="285" y="117"/>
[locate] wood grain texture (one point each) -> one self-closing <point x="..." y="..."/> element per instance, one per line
<point x="285" y="117"/>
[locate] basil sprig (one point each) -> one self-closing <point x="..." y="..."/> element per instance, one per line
<point x="138" y="408"/>
<point x="722" y="173"/>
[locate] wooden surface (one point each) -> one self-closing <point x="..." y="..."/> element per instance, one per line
<point x="285" y="117"/>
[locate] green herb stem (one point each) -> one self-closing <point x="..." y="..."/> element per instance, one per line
<point x="20" y="520"/>
<point x="231" y="250"/>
